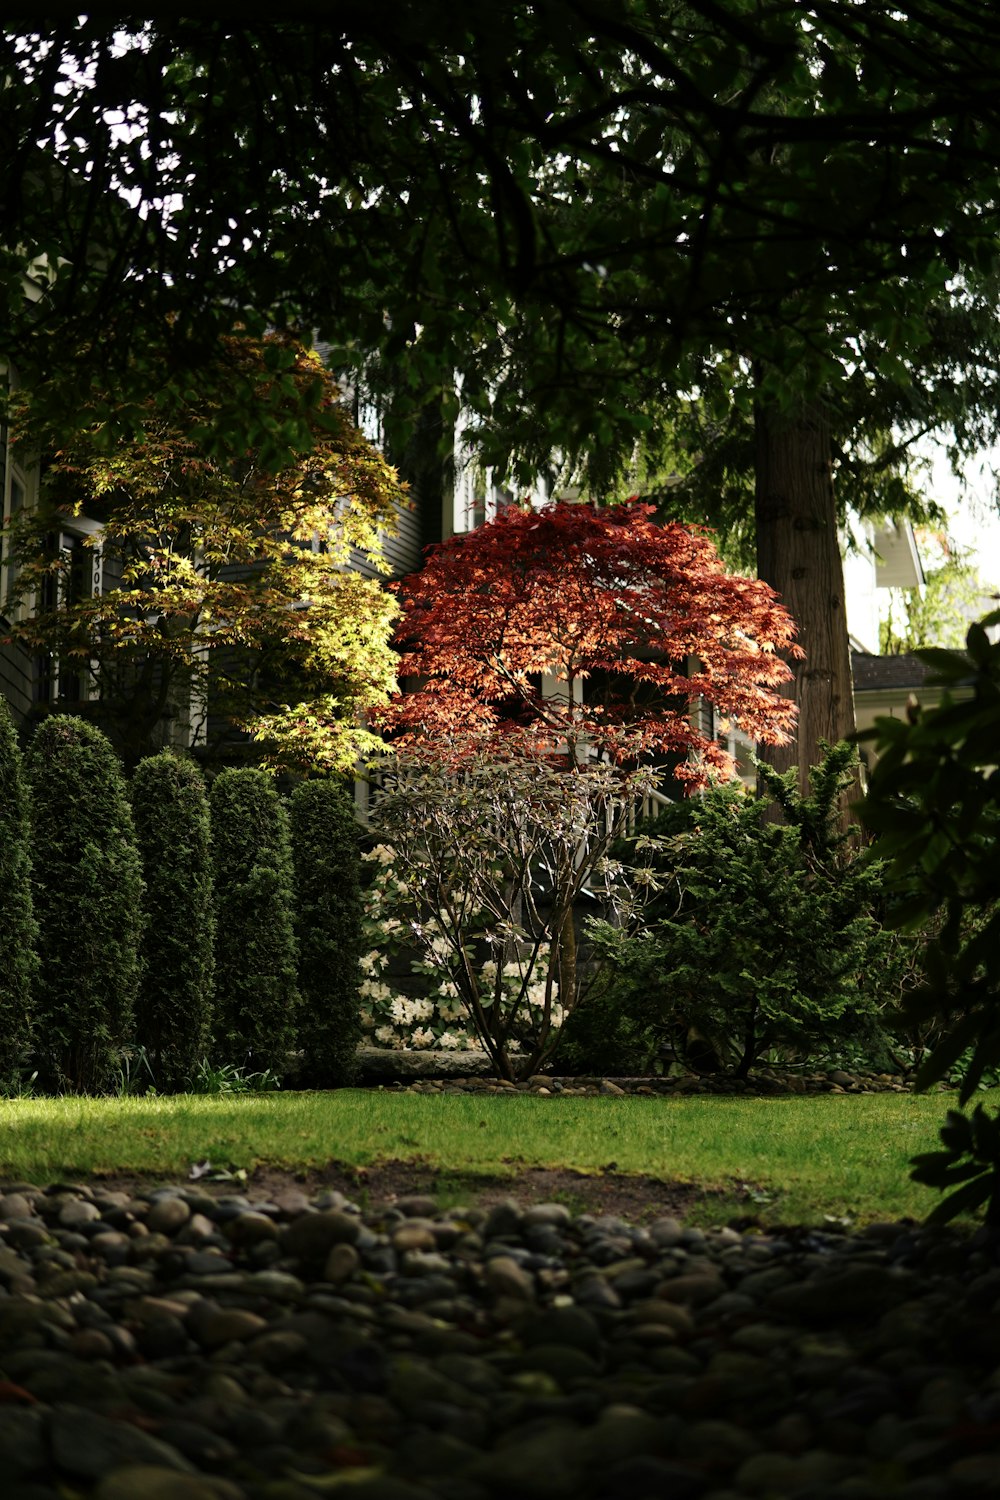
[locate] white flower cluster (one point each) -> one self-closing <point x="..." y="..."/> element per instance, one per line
<point x="439" y="1017"/>
<point x="382" y="854"/>
<point x="405" y="1012"/>
<point x="394" y="1019"/>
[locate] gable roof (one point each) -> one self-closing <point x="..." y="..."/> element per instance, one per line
<point x="905" y="672"/>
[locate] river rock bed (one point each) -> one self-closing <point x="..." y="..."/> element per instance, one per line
<point x="430" y="1070"/>
<point x="762" y="1084"/>
<point x="171" y="1344"/>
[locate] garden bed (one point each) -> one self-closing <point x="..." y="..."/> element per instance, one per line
<point x="435" y="1071"/>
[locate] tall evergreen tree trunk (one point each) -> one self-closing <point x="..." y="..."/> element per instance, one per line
<point x="798" y="553"/>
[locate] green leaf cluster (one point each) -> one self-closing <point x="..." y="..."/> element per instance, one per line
<point x="113" y="933"/>
<point x="88" y="890"/>
<point x="328" y="930"/>
<point x="968" y="1164"/>
<point x="937" y="614"/>
<point x="546" y="205"/>
<point x="934" y="804"/>
<point x="174" y="1006"/>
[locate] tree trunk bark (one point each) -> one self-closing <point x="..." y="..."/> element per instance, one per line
<point x="567" y="962"/>
<point x="798" y="554"/>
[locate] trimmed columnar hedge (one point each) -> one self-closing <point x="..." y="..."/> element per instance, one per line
<point x="328" y="929"/>
<point x="174" y="1008"/>
<point x="18" y="963"/>
<point x="87" y="886"/>
<point x="256" y="996"/>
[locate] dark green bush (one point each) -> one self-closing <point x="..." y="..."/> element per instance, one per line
<point x="256" y="997"/>
<point x="174" y="1008"/>
<point x="328" y="928"/>
<point x="18" y="931"/>
<point x="765" y="935"/>
<point x="934" y="801"/>
<point x="87" y="885"/>
<point x="608" y="1034"/>
<point x="614" y="1030"/>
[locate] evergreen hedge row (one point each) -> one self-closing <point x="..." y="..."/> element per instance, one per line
<point x="138" y="911"/>
<point x="328" y="928"/>
<point x="255" y="951"/>
<point x="174" y="1008"/>
<point x="88" y="888"/>
<point x="18" y="929"/>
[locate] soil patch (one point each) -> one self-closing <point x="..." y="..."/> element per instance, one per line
<point x="634" y="1198"/>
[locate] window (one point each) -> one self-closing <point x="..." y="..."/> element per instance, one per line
<point x="78" y="577"/>
<point x="742" y="749"/>
<point x="15" y="491"/>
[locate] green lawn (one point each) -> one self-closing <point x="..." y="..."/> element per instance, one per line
<point x="808" y="1157"/>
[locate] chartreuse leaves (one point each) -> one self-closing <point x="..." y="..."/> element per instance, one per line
<point x="226" y="566"/>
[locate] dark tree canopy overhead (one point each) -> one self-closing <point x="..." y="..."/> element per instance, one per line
<point x="555" y="198"/>
<point x="558" y="216"/>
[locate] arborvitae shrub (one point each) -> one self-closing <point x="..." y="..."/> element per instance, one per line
<point x="18" y="932"/>
<point x="174" y="1008"/>
<point x="256" y="997"/>
<point x="88" y="901"/>
<point x="328" y="928"/>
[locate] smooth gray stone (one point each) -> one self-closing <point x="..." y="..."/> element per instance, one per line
<point x="197" y="1443"/>
<point x="543" y="1466"/>
<point x="646" y="1477"/>
<point x="505" y="1278"/>
<point x="503" y="1219"/>
<point x="386" y="1065"/>
<point x="311" y="1237"/>
<point x="555" y="1214"/>
<point x="15" y="1206"/>
<point x="22" y="1446"/>
<point x="168" y="1214"/>
<point x="73" y="1214"/>
<point x="563" y="1362"/>
<point x="88" y="1445"/>
<point x="148" y="1482"/>
<point x="852" y="1293"/>
<point x="565" y="1325"/>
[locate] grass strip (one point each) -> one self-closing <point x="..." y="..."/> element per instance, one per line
<point x="804" y="1158"/>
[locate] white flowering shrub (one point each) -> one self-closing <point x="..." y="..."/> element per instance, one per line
<point x="478" y="879"/>
<point x="389" y="1017"/>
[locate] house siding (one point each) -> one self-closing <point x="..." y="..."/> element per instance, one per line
<point x="403" y="552"/>
<point x="15" y="678"/>
<point x="16" y="673"/>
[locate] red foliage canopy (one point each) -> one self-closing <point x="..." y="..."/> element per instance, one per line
<point x="577" y="626"/>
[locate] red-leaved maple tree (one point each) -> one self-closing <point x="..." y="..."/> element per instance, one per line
<point x="576" y="630"/>
<point x="556" y="654"/>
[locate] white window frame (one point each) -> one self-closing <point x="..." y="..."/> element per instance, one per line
<point x="72" y="530"/>
<point x="14" y="474"/>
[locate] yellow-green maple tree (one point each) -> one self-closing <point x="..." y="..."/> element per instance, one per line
<point x="227" y="580"/>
